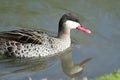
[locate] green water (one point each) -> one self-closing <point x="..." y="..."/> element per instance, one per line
<point x="103" y="45"/>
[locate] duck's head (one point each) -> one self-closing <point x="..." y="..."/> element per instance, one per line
<point x="68" y="22"/>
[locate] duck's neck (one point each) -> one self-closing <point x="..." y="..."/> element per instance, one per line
<point x="64" y="33"/>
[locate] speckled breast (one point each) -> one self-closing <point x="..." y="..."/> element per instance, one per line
<point x="23" y="50"/>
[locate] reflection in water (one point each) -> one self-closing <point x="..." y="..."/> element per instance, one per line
<point x="70" y="68"/>
<point x="13" y="66"/>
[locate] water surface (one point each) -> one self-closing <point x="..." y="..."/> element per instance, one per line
<point x="103" y="45"/>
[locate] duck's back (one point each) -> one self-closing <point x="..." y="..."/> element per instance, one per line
<point x="29" y="43"/>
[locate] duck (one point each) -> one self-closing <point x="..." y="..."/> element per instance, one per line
<point x="25" y="43"/>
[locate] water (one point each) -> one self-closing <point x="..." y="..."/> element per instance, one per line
<point x="103" y="45"/>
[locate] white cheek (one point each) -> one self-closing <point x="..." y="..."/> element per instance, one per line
<point x="71" y="24"/>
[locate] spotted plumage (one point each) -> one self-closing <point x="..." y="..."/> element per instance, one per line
<point x="33" y="43"/>
<point x="28" y="43"/>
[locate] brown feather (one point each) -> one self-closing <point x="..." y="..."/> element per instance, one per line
<point x="23" y="36"/>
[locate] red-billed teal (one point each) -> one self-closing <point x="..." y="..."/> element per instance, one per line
<point x="32" y="43"/>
